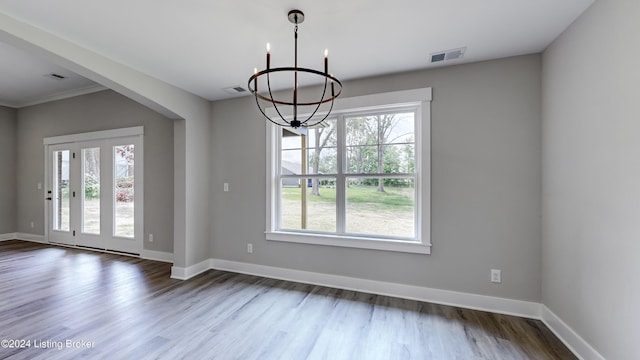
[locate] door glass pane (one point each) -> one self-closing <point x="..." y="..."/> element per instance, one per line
<point x="91" y="191"/>
<point x="123" y="161"/>
<point x="60" y="196"/>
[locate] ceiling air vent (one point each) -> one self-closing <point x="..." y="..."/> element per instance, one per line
<point x="56" y="76"/>
<point x="235" y="90"/>
<point x="448" y="55"/>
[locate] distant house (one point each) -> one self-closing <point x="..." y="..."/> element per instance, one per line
<point x="290" y="168"/>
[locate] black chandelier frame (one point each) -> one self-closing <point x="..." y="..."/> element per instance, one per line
<point x="296" y="17"/>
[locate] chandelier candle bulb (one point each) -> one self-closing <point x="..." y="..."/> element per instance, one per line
<point x="326" y="61"/>
<point x="255" y="80"/>
<point x="268" y="55"/>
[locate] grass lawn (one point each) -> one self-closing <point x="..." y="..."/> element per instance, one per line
<point x="392" y="199"/>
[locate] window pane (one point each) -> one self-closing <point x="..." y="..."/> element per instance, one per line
<point x="399" y="128"/>
<point x="321" y="154"/>
<point x="361" y="130"/>
<point x="290" y="140"/>
<point x="291" y="162"/>
<point x="290" y="195"/>
<point x="367" y="137"/>
<point x="61" y="190"/>
<point x="398" y="159"/>
<point x="381" y="207"/>
<point x="124" y="190"/>
<point x="319" y="137"/>
<point x="91" y="193"/>
<point x="324" y="161"/>
<point x="362" y="160"/>
<point x="315" y="211"/>
<point x="383" y="159"/>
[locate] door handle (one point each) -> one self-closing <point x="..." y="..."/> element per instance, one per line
<point x="49" y="198"/>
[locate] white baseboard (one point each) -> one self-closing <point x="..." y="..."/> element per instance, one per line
<point x="580" y="348"/>
<point x="182" y="273"/>
<point x="157" y="255"/>
<point x="145" y="254"/>
<point x="10" y="236"/>
<point x="30" y="237"/>
<point x="470" y="301"/>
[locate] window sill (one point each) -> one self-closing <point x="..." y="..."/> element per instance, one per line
<point x="350" y="242"/>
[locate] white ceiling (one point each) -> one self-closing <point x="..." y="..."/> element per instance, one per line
<point x="206" y="46"/>
<point x="25" y="80"/>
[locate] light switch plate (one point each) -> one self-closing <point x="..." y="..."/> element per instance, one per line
<point x="496" y="276"/>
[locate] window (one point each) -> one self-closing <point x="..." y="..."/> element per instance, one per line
<point x="359" y="180"/>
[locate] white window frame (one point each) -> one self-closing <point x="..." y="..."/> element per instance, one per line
<point x="376" y="102"/>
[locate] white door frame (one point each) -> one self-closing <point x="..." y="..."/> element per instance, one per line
<point x="133" y="135"/>
<point x="65" y="237"/>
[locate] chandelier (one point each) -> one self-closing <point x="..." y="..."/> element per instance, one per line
<point x="296" y="105"/>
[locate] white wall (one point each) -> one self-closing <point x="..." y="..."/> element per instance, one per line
<point x="7" y="170"/>
<point x="591" y="178"/>
<point x="485" y="185"/>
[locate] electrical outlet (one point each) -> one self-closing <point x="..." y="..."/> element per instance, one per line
<point x="496" y="276"/>
<point x="250" y="248"/>
<point x="32" y="225"/>
<point x="150" y="237"/>
<point x="226" y="186"/>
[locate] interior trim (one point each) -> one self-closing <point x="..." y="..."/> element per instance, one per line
<point x="579" y="346"/>
<point x="157" y="255"/>
<point x="182" y="273"/>
<point x="94" y="135"/>
<point x="9" y="236"/>
<point x="31" y="237"/>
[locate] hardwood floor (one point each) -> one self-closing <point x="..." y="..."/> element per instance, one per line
<point x="127" y="308"/>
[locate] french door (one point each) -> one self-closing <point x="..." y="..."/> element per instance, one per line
<point x="94" y="194"/>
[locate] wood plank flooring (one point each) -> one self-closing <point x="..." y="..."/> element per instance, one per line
<point x="128" y="308"/>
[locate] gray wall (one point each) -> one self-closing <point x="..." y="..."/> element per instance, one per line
<point x="486" y="185"/>
<point x="7" y="170"/>
<point x="591" y="181"/>
<point x="98" y="111"/>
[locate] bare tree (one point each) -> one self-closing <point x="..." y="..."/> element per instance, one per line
<point x="359" y="156"/>
<point x="322" y="136"/>
<point x="386" y="124"/>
